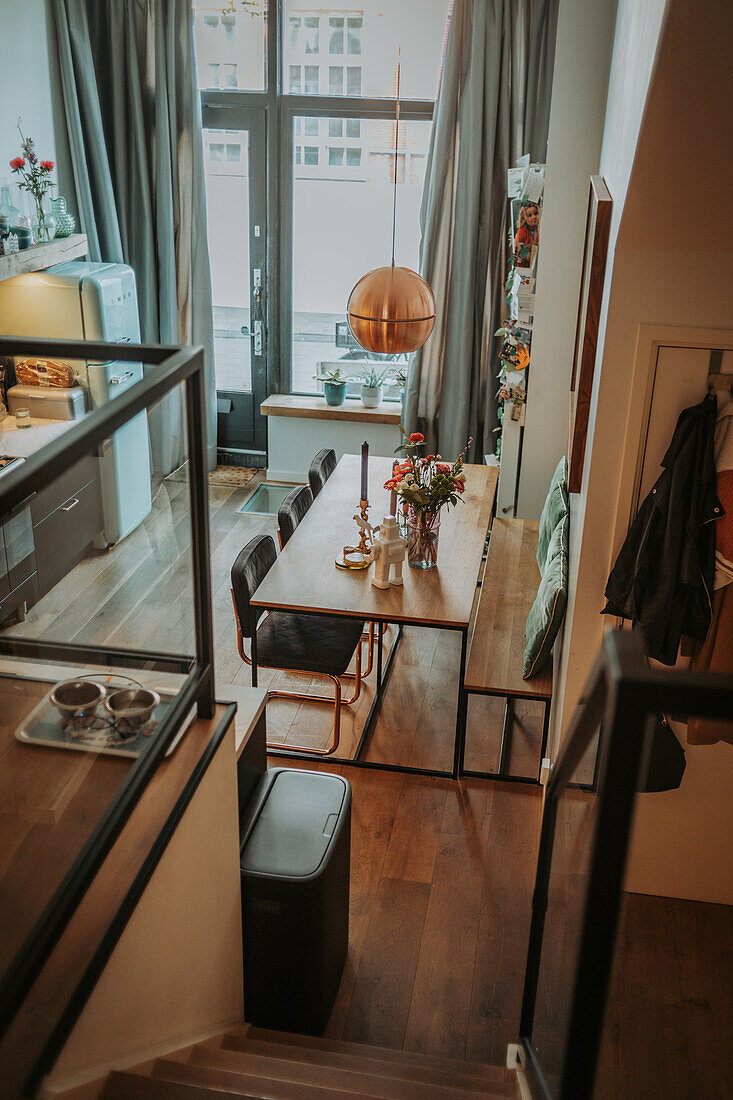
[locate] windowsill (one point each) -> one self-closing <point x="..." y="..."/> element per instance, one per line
<point x="316" y="408"/>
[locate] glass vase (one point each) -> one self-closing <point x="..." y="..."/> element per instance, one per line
<point x="65" y="223"/>
<point x="423" y="529"/>
<point x="44" y="223"/>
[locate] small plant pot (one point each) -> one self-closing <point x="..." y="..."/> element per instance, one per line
<point x="334" y="392"/>
<point x="371" y="396"/>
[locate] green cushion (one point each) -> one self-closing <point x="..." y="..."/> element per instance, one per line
<point x="556" y="506"/>
<point x="546" y="615"/>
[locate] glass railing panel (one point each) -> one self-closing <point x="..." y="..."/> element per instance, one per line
<point x="97" y="594"/>
<point x="570" y="868"/>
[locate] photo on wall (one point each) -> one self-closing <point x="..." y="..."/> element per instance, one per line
<point x="525" y="232"/>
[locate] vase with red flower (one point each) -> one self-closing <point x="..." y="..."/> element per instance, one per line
<point x="34" y="177"/>
<point x="425" y="485"/>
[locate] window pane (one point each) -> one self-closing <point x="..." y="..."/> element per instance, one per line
<point x="310" y="127"/>
<point x="230" y="76"/>
<point x="336" y="127"/>
<point x="231" y="39"/>
<point x="310" y="154"/>
<point x="311" y="80"/>
<point x="227" y="216"/>
<point x="298" y="126"/>
<point x="353" y="127"/>
<point x="335" y="80"/>
<point x="294" y="81"/>
<point x="353" y="80"/>
<point x="354" y="36"/>
<point x="298" y="153"/>
<point x="295" y="25"/>
<point x="212" y="75"/>
<point x="336" y="36"/>
<point x="311" y="35"/>
<point x="342" y="228"/>
<point x="373" y="32"/>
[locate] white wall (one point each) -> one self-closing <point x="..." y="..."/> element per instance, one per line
<point x="30" y="88"/>
<point x="292" y="441"/>
<point x="666" y="242"/>
<point x="580" y="80"/>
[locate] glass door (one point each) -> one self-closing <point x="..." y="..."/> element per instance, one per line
<point x="234" y="164"/>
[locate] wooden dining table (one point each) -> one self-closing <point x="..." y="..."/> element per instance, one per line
<point x="305" y="578"/>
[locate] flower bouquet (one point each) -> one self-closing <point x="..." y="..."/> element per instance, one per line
<point x="35" y="178"/>
<point x="425" y="484"/>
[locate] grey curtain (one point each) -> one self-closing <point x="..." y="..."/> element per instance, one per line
<point x="493" y="106"/>
<point x="133" y="116"/>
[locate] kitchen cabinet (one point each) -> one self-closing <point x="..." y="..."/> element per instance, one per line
<point x="67" y="517"/>
<point x="18" y="574"/>
<point x="45" y="537"/>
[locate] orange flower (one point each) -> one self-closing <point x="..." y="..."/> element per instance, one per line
<point x="417" y="437"/>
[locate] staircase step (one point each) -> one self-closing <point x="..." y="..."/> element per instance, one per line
<point x="366" y="1062"/>
<point x="358" y="1083"/>
<point x="494" y="1075"/>
<point x="210" y="1081"/>
<point x="129" y="1086"/>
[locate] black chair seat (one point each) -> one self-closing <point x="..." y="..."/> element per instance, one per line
<point x="311" y="643"/>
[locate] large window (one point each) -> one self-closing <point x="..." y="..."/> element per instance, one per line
<point x="331" y="130"/>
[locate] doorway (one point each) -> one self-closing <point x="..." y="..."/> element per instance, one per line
<point x="236" y="200"/>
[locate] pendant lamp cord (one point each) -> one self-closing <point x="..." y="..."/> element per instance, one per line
<point x="396" y="130"/>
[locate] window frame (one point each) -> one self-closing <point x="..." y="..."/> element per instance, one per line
<point x="280" y="108"/>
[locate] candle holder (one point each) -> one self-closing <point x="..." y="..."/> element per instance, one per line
<point x="361" y="555"/>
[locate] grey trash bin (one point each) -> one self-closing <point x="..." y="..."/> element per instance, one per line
<point x="295" y="855"/>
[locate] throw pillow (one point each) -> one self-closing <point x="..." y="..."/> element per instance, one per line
<point x="548" y="609"/>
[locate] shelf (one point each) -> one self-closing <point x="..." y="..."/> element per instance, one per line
<point x="315" y="408"/>
<point x="40" y="256"/>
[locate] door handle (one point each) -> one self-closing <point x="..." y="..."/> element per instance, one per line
<point x="72" y="504"/>
<point x="258" y="327"/>
<point x="116" y="379"/>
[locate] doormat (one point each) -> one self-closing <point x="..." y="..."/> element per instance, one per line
<point x="236" y="476"/>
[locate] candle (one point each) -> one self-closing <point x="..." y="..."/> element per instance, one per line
<point x="393" y="494"/>
<point x="364" y="471"/>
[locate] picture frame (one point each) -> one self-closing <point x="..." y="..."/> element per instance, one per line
<point x="597" y="230"/>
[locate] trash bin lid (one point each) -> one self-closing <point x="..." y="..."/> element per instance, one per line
<point x="296" y="822"/>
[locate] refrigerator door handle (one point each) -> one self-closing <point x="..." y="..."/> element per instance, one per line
<point x="117" y="379"/>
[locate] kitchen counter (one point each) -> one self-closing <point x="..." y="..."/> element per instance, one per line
<point x="22" y="442"/>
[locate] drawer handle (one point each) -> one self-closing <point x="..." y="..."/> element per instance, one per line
<point x="73" y="504"/>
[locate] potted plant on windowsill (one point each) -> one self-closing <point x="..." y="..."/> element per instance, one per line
<point x="334" y="385"/>
<point x="372" y="381"/>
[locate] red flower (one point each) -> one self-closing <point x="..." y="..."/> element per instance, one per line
<point x="459" y="484"/>
<point x="47" y="165"/>
<point x="443" y="468"/>
<point x="416" y="437"/>
<point x="17" y="163"/>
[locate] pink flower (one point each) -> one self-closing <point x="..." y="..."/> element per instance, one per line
<point x="17" y="163"/>
<point x="47" y="165"/>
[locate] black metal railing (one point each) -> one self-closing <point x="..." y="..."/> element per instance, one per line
<point x="174" y="366"/>
<point x="622" y="699"/>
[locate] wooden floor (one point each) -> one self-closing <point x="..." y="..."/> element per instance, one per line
<point x="442" y="873"/>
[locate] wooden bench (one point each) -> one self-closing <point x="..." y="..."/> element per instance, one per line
<point x="510" y="583"/>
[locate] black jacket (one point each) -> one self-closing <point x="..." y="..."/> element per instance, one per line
<point x="663" y="576"/>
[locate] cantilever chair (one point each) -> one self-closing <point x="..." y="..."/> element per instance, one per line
<point x="321" y="469"/>
<point x="314" y="645"/>
<point x="291" y="512"/>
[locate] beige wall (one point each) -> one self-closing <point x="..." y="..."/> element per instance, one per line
<point x="669" y="264"/>
<point x="582" y="59"/>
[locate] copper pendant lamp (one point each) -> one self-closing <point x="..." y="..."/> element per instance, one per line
<point x="392" y="309"/>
